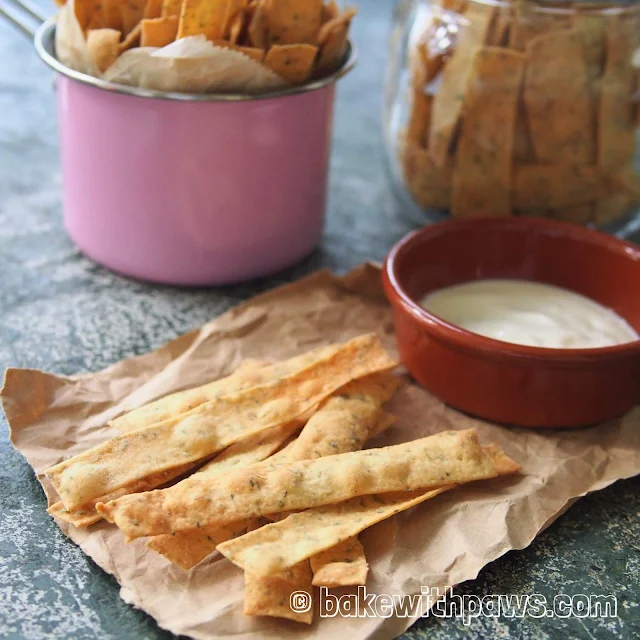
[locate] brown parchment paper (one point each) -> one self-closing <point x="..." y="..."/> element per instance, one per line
<point x="438" y="544"/>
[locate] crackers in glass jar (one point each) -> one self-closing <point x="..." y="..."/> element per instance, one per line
<point x="531" y="110"/>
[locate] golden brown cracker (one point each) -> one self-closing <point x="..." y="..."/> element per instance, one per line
<point x="448" y="101"/>
<point x="293" y="62"/>
<point x="333" y="40"/>
<point x="429" y="185"/>
<point x="218" y="423"/>
<point x="250" y="450"/>
<point x="538" y="187"/>
<point x="611" y="207"/>
<point x="132" y="39"/>
<point x="428" y="56"/>
<point x="636" y="99"/>
<point x="616" y="116"/>
<point x="522" y="144"/>
<point x="481" y="183"/>
<point x="235" y="10"/>
<point x="500" y="26"/>
<point x="271" y="595"/>
<point x="504" y="465"/>
<point x="87" y="514"/>
<point x="97" y="22"/>
<point x="131" y="12"/>
<point x="303" y="535"/>
<point x="246" y="375"/>
<point x="103" y="47"/>
<point x="280" y="545"/>
<point x="272" y="488"/>
<point x="346" y="420"/>
<point x="203" y="17"/>
<point x="343" y="423"/>
<point x="80" y="518"/>
<point x="627" y="180"/>
<point x="578" y="214"/>
<point x="171" y="8"/>
<point x="426" y="64"/>
<point x="344" y="564"/>
<point x="251" y="52"/>
<point x="622" y="193"/>
<point x="532" y="19"/>
<point x="343" y="18"/>
<point x="558" y="100"/>
<point x="158" y="32"/>
<point x="110" y="15"/>
<point x="153" y="9"/>
<point x="293" y="21"/>
<point x="187" y="548"/>
<point x="455" y="6"/>
<point x="419" y="117"/>
<point x="284" y="453"/>
<point x="257" y="28"/>
<point x="591" y="29"/>
<point x="332" y="51"/>
<point x="236" y="28"/>
<point x="88" y="12"/>
<point x="330" y="11"/>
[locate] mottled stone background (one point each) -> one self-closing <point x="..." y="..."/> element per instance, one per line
<point x="62" y="313"/>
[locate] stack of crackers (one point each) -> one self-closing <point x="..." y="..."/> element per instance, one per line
<point x="526" y="108"/>
<point x="297" y="39"/>
<point x="269" y="467"/>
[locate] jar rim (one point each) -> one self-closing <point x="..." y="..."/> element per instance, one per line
<point x="539" y="6"/>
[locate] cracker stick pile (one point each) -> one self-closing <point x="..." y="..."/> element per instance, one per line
<point x="524" y="110"/>
<point x="268" y="467"/>
<point x="296" y="39"/>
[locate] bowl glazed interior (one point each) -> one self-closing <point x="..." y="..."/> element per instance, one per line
<point x="600" y="267"/>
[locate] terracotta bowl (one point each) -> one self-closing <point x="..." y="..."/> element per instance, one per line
<point x="508" y="383"/>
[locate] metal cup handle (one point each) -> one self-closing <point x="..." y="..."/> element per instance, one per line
<point x="22" y="14"/>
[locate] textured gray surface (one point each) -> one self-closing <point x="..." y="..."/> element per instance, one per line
<point x="60" y="312"/>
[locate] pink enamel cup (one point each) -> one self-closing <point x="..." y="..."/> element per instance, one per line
<point x="192" y="189"/>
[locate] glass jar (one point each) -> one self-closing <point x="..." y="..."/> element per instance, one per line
<point x="522" y="107"/>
